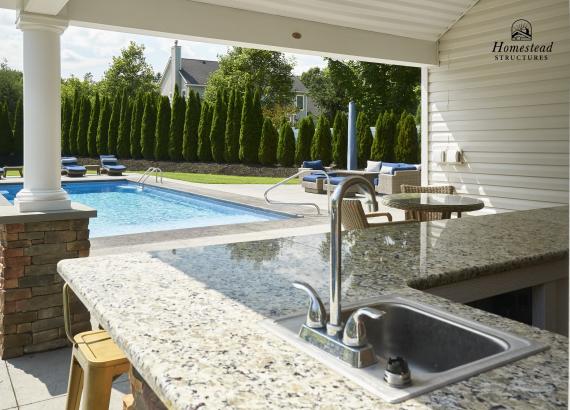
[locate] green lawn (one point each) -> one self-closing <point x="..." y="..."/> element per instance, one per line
<point x="222" y="179"/>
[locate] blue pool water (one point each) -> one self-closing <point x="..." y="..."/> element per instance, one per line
<point x="124" y="208"/>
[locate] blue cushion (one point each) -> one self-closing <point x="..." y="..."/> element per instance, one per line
<point x="337" y="180"/>
<point x="68" y="161"/>
<point x="313" y="177"/>
<point x="317" y="164"/>
<point x="375" y="181"/>
<point x="75" y="168"/>
<point x="115" y="167"/>
<point x="391" y="164"/>
<point x="406" y="168"/>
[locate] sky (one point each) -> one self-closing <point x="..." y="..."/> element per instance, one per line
<point x="86" y="50"/>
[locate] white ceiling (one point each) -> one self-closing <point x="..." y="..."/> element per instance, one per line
<point x="420" y="19"/>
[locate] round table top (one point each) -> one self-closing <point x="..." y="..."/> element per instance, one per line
<point x="432" y="202"/>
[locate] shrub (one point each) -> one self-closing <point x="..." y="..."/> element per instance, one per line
<point x="340" y="139"/>
<point x="375" y="153"/>
<point x="67" y="112"/>
<point x="231" y="153"/>
<point x="148" y="127"/>
<point x="84" y="116"/>
<point x="191" y="123"/>
<point x="18" y="136"/>
<point x="93" y="125"/>
<point x="321" y="147"/>
<point x="124" y="137"/>
<point x="218" y="129"/>
<point x="74" y="127"/>
<point x="407" y="142"/>
<point x="204" y="128"/>
<point x="5" y="131"/>
<point x="114" y="126"/>
<point x="363" y="138"/>
<point x="268" y="145"/>
<point x="249" y="137"/>
<point x="103" y="126"/>
<point x="304" y="140"/>
<point x="162" y="129"/>
<point x="136" y="125"/>
<point x="286" y="145"/>
<point x="176" y="126"/>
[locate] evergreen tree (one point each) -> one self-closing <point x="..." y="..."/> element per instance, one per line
<point x="162" y="129"/>
<point x="19" y="130"/>
<point x="218" y="130"/>
<point x="248" y="138"/>
<point x="124" y="137"/>
<point x="74" y="127"/>
<point x="340" y="139"/>
<point x="231" y="148"/>
<point x="148" y="127"/>
<point x="286" y="145"/>
<point x="67" y="112"/>
<point x="258" y="113"/>
<point x="136" y="125"/>
<point x="267" y="153"/>
<point x="113" y="132"/>
<point x="93" y="126"/>
<point x="363" y="138"/>
<point x="83" y="129"/>
<point x="321" y="146"/>
<point x="407" y="149"/>
<point x="5" y="131"/>
<point x="191" y="123"/>
<point x="375" y="153"/>
<point x="103" y="126"/>
<point x="176" y="126"/>
<point x="204" y="128"/>
<point x="383" y="146"/>
<point x="304" y="140"/>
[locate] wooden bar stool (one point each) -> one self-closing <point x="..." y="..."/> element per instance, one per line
<point x="95" y="362"/>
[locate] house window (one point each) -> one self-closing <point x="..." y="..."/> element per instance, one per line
<point x="301" y="102"/>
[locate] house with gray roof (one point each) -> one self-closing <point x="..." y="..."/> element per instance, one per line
<point x="192" y="74"/>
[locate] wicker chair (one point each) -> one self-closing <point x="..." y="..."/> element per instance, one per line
<point x="432" y="189"/>
<point x="353" y="216"/>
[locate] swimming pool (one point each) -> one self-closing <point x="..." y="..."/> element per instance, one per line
<point x="123" y="207"/>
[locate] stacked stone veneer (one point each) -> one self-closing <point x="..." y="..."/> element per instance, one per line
<point x="31" y="311"/>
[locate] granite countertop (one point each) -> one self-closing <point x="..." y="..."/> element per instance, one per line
<point x="188" y="319"/>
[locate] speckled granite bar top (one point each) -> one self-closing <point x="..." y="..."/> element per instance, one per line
<point x="188" y="319"/>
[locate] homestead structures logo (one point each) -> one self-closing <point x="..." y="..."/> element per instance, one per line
<point x="519" y="49"/>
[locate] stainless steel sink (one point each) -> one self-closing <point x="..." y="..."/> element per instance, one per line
<point x="440" y="348"/>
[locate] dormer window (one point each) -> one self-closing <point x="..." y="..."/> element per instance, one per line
<point x="300" y="103"/>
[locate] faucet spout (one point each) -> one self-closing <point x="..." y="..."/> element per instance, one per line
<point x="335" y="325"/>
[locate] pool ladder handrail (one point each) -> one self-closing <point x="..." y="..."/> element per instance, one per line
<point x="301" y="172"/>
<point x="148" y="173"/>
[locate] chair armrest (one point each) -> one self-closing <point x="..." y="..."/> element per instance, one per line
<point x="378" y="214"/>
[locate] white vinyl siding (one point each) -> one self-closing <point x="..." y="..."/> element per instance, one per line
<point x="510" y="118"/>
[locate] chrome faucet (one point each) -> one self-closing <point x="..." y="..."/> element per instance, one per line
<point x="350" y="338"/>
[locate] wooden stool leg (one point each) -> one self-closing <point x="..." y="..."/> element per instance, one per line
<point x="75" y="385"/>
<point x="98" y="385"/>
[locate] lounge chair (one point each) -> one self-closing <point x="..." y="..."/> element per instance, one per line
<point x="110" y="165"/>
<point x="354" y="217"/>
<point x="70" y="167"/>
<point x="432" y="189"/>
<point x="313" y="182"/>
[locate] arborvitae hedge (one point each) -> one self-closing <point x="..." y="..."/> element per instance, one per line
<point x="176" y="126"/>
<point x="136" y="124"/>
<point x="67" y="112"/>
<point x="340" y="139"/>
<point x="162" y="129"/>
<point x="267" y="153"/>
<point x="231" y="140"/>
<point x="19" y="130"/>
<point x="113" y="132"/>
<point x="388" y="139"/>
<point x="375" y="153"/>
<point x="103" y="127"/>
<point x="191" y="123"/>
<point x="204" y="128"/>
<point x="363" y="138"/>
<point x="218" y="130"/>
<point x="304" y="140"/>
<point x="286" y="145"/>
<point x="124" y="137"/>
<point x="249" y="127"/>
<point x="5" y="131"/>
<point x="148" y="127"/>
<point x="84" y="116"/>
<point x="321" y="146"/>
<point x="93" y="124"/>
<point x="257" y="113"/>
<point x="406" y="149"/>
<point x="74" y="127"/>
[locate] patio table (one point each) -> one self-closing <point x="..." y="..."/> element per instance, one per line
<point x="417" y="204"/>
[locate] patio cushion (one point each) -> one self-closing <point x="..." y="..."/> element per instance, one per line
<point x="336" y="180"/>
<point x="317" y="164"/>
<point x="313" y="177"/>
<point x="373" y="166"/>
<point x="68" y="161"/>
<point x="115" y="167"/>
<point x="74" y="168"/>
<point x="375" y="181"/>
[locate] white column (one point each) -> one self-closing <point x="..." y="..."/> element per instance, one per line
<point x="42" y="117"/>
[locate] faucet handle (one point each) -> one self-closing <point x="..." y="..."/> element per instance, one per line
<point x="354" y="331"/>
<point x="316" y="316"/>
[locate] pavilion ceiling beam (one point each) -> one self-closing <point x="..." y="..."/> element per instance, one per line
<point x="186" y="19"/>
<point x="51" y="7"/>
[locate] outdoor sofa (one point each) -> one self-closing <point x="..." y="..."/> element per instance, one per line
<point x="111" y="166"/>
<point x="392" y="175"/>
<point x="71" y="168"/>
